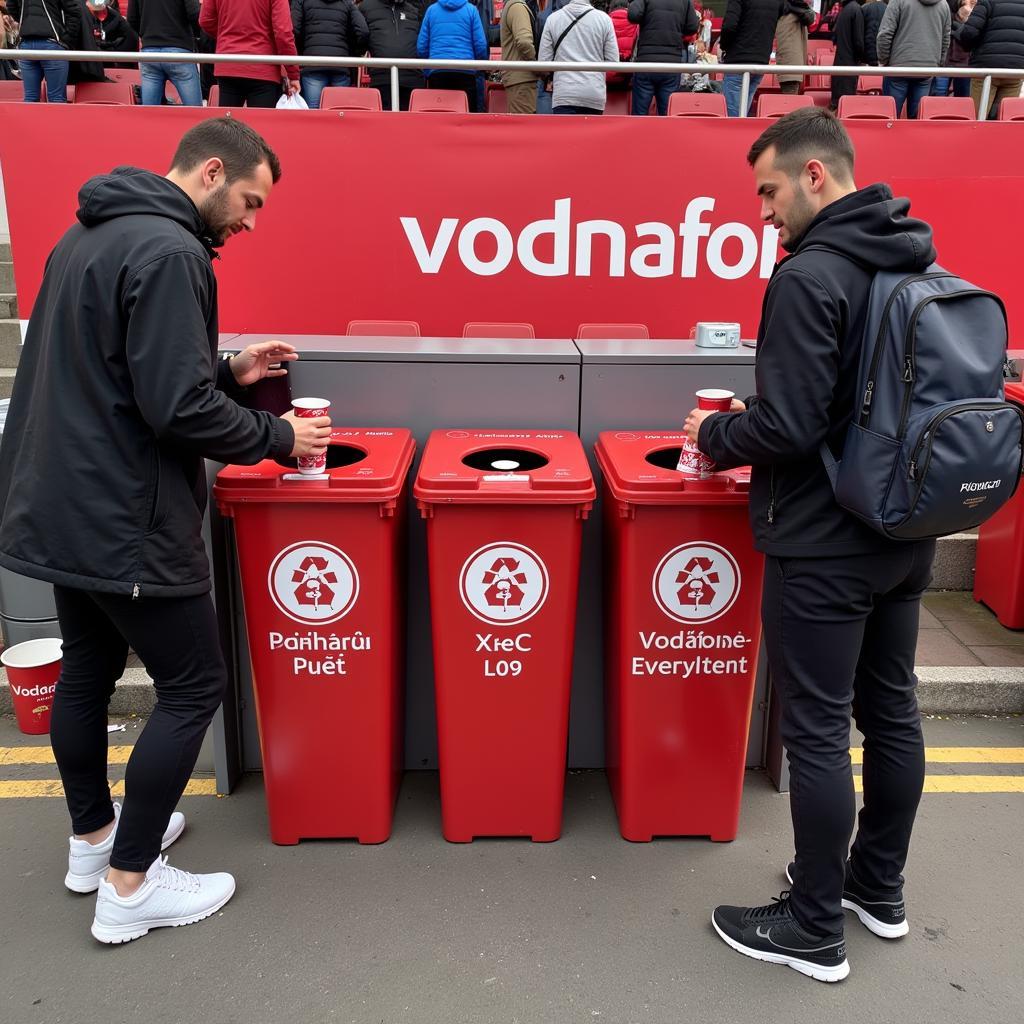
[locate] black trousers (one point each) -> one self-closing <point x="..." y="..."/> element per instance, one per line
<point x="458" y="81"/>
<point x="248" y="92"/>
<point x="841" y="635"/>
<point x="178" y="642"/>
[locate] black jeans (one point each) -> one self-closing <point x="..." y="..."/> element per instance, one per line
<point x="841" y="634"/>
<point x="457" y="81"/>
<point x="178" y="642"/>
<point x="248" y="92"/>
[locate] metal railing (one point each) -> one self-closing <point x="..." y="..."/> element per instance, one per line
<point x="396" y="64"/>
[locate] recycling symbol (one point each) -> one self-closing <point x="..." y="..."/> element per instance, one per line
<point x="504" y="584"/>
<point x="314" y="582"/>
<point x="696" y="582"/>
<point x="697" y="579"/>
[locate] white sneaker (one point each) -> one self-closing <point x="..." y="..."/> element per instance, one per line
<point x="87" y="864"/>
<point x="167" y="898"/>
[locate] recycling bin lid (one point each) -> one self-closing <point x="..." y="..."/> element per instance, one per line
<point x="639" y="467"/>
<point x="501" y="466"/>
<point x="363" y="465"/>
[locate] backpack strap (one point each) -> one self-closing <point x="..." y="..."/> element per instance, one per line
<point x="575" y="21"/>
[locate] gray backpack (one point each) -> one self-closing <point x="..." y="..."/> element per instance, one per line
<point x="933" y="448"/>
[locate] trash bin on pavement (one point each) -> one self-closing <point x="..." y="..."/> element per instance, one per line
<point x="682" y="631"/>
<point x="504" y="513"/>
<point x="320" y="562"/>
<point x="999" y="560"/>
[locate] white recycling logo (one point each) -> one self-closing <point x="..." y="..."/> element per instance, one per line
<point x="503" y="583"/>
<point x="313" y="582"/>
<point x="696" y="582"/>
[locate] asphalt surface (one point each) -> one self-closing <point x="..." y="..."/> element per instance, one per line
<point x="588" y="929"/>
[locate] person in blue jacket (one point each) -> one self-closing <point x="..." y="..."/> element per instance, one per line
<point x="452" y="30"/>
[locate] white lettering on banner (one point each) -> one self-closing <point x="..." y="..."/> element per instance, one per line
<point x="733" y="249"/>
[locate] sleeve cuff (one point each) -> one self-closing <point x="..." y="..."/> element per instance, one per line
<point x="226" y="380"/>
<point x="284" y="439"/>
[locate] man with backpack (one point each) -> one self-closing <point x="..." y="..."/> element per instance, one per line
<point x="520" y="40"/>
<point x="578" y="32"/>
<point x="841" y="598"/>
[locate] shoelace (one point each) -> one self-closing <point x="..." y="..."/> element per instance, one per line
<point x="778" y="908"/>
<point x="176" y="879"/>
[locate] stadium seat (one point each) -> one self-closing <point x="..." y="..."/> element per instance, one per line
<point x="213" y="100"/>
<point x="340" y="97"/>
<point x="820" y="97"/>
<point x="769" y="83"/>
<point x="383" y="328"/>
<point x="14" y="92"/>
<point x="118" y="94"/>
<point x="1012" y="109"/>
<point x="631" y="332"/>
<point x="438" y="101"/>
<point x="133" y="76"/>
<point x="823" y="58"/>
<point x="818" y="46"/>
<point x="479" y="330"/>
<point x="869" y="85"/>
<point x="778" y="104"/>
<point x="946" y="108"/>
<point x="619" y="102"/>
<point x="873" y="107"/>
<point x="497" y="99"/>
<point x="696" y="104"/>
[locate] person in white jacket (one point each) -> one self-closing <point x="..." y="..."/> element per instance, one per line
<point x="578" y="32"/>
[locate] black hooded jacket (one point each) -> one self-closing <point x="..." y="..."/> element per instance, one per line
<point x="848" y="35"/>
<point x="118" y="398"/>
<point x="994" y="33"/>
<point x="748" y="30"/>
<point x="809" y="345"/>
<point x="663" y="23"/>
<point x="329" y="28"/>
<point x="394" y="27"/>
<point x="59" y="20"/>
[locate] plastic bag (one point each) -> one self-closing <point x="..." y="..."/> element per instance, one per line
<point x="293" y="102"/>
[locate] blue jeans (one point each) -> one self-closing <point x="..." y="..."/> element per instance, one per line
<point x="732" y="86"/>
<point x="184" y="76"/>
<point x="315" y="80"/>
<point x="940" y="86"/>
<point x="543" y="99"/>
<point x="909" y="90"/>
<point x="648" y="87"/>
<point x="34" y="71"/>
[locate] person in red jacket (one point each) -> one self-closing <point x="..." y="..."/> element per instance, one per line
<point x="625" y="35"/>
<point x="251" y="26"/>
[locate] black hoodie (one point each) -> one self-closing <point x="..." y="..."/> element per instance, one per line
<point x="808" y="353"/>
<point x="118" y="399"/>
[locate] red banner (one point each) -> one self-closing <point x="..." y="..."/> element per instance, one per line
<point x="555" y="221"/>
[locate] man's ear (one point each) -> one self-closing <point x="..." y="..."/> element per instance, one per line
<point x="816" y="173"/>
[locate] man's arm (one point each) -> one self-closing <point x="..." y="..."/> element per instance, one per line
<point x="520" y="24"/>
<point x="134" y="14"/>
<point x="730" y="23"/>
<point x="797" y="367"/>
<point x="71" y="33"/>
<point x="546" y="43"/>
<point x="208" y="17"/>
<point x="691" y="20"/>
<point x="284" y="35"/>
<point x="890" y="21"/>
<point x="945" y="34"/>
<point x="637" y="10"/>
<point x="972" y="31"/>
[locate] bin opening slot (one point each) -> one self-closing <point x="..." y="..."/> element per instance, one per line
<point x="504" y="460"/>
<point x="664" y="458"/>
<point x="338" y="456"/>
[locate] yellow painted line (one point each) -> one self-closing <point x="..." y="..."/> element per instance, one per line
<point x="965" y="784"/>
<point x="23" y="788"/>
<point x="961" y="755"/>
<point x="44" y="755"/>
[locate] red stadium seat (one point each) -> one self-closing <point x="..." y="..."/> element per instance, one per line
<point x="133" y="76"/>
<point x="438" y="101"/>
<point x="822" y="58"/>
<point x="213" y="100"/>
<point x="619" y="102"/>
<point x="631" y="332"/>
<point x="340" y="97"/>
<point x="479" y="330"/>
<point x="497" y="99"/>
<point x="696" y="104"/>
<point x="778" y="104"/>
<point x="877" y="107"/>
<point x="946" y="108"/>
<point x="869" y="85"/>
<point x="14" y="92"/>
<point x="1012" y="109"/>
<point x="118" y="94"/>
<point x="383" y="328"/>
<point x="818" y="46"/>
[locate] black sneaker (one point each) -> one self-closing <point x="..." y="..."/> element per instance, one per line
<point x="883" y="913"/>
<point x="772" y="934"/>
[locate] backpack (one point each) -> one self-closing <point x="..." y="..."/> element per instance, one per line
<point x="933" y="448"/>
<point x="535" y="23"/>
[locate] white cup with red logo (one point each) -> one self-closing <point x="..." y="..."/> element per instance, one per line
<point x="310" y="408"/>
<point x="693" y="463"/>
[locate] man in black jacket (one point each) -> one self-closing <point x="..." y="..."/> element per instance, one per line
<point x="109" y="30"/>
<point x="46" y="25"/>
<point x="394" y="26"/>
<point x="841" y="603"/>
<point x="748" y="32"/>
<point x="327" y="28"/>
<point x="994" y="34"/>
<point x="118" y="398"/>
<point x="849" y="37"/>
<point x="663" y="23"/>
<point x="167" y="26"/>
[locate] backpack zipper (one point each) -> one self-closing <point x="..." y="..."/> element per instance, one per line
<point x="771" y="496"/>
<point x="136" y="590"/>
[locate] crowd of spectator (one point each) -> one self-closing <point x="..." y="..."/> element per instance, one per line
<point x="977" y="34"/>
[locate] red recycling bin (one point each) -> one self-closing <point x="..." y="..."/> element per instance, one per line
<point x="999" y="561"/>
<point x="682" y="629"/>
<point x="504" y="511"/>
<point x="320" y="561"/>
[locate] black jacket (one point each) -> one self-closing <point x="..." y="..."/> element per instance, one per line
<point x="873" y="15"/>
<point x="59" y="20"/>
<point x="809" y="345"/>
<point x="165" y="22"/>
<point x="391" y="35"/>
<point x="748" y="30"/>
<point x="994" y="33"/>
<point x="663" y="23"/>
<point x="118" y="398"/>
<point x="112" y="32"/>
<point x="329" y="28"/>
<point x="848" y="35"/>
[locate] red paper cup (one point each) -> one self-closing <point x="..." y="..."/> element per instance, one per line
<point x="32" y="671"/>
<point x="693" y="463"/>
<point x="310" y="408"/>
<point x="715" y="399"/>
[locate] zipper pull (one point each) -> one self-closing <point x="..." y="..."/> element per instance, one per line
<point x="135" y="591"/>
<point x="908" y="371"/>
<point x="912" y="471"/>
<point x="867" y="396"/>
<point x="771" y="512"/>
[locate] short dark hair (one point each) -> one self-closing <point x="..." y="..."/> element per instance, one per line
<point x="808" y="133"/>
<point x="238" y="146"/>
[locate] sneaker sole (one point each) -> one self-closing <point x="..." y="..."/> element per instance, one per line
<point x="876" y="927"/>
<point x="90" y="883"/>
<point x="811" y="970"/>
<point x="115" y="934"/>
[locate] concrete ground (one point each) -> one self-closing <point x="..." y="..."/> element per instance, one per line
<point x="590" y="928"/>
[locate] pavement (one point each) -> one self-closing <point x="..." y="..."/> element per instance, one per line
<point x="588" y="929"/>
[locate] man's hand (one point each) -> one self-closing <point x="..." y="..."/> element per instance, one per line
<point x="262" y="360"/>
<point x="311" y="433"/>
<point x="697" y="416"/>
<point x="292" y="87"/>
